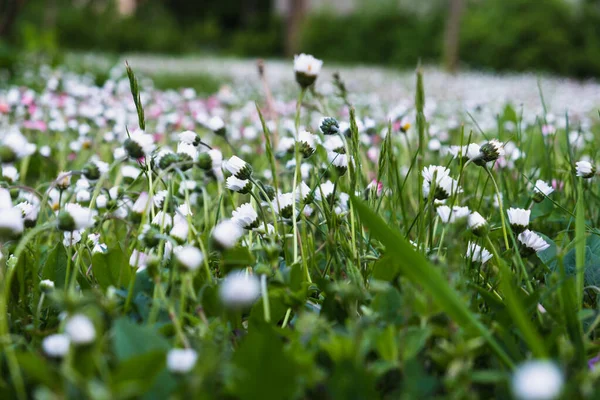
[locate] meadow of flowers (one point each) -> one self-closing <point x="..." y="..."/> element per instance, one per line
<point x="296" y="242"/>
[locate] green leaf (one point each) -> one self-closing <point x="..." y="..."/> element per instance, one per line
<point x="417" y="269"/>
<point x="55" y="267"/>
<point x="385" y="269"/>
<point x="387" y="344"/>
<point x="36" y="368"/>
<point x="413" y="341"/>
<point x="131" y="341"/>
<point x="135" y="375"/>
<point x="111" y="268"/>
<point x="263" y="369"/>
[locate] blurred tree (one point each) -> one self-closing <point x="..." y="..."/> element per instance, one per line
<point x="9" y="10"/>
<point x="296" y="10"/>
<point x="452" y="35"/>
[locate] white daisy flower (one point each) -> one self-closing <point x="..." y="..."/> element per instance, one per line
<point x="477" y="224"/>
<point x="189" y="257"/>
<point x="518" y="218"/>
<point x="532" y="242"/>
<point x="245" y="216"/>
<point x="540" y="190"/>
<point x="239" y="290"/>
<point x="189" y="137"/>
<point x="585" y="169"/>
<point x="76" y="217"/>
<point x="56" y="345"/>
<point x="238" y="185"/>
<point x="537" y="380"/>
<point x="307" y="69"/>
<point x="477" y="253"/>
<point x="181" y="361"/>
<point x="227" y="233"/>
<point x="238" y="168"/>
<point x="80" y="329"/>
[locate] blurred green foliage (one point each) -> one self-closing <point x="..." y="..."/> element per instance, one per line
<point x="553" y="36"/>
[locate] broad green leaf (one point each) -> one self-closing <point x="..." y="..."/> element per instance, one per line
<point x="55" y="267"/>
<point x="138" y="372"/>
<point x="111" y="268"/>
<point x="417" y="269"/>
<point x="263" y="370"/>
<point x="130" y="341"/>
<point x="37" y="369"/>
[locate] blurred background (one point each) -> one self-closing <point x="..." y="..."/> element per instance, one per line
<point x="560" y="37"/>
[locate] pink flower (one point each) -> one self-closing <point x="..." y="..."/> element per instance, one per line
<point x="557" y="185"/>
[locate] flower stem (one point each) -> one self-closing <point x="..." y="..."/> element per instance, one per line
<point x="500" y="206"/>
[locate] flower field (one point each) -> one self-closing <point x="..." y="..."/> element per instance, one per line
<point x="299" y="235"/>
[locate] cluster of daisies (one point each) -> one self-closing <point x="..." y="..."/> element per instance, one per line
<point x="162" y="179"/>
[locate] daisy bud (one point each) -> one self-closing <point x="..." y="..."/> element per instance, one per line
<point x="46" y="285"/>
<point x="189" y="257"/>
<point x="269" y="191"/>
<point x="239" y="290"/>
<point x="168" y="159"/>
<point x="238" y="168"/>
<point x="307" y="143"/>
<point x="204" y="161"/>
<point x="531" y="242"/>
<point x="518" y="219"/>
<point x="150" y="236"/>
<point x="7" y="155"/>
<point x="477" y="253"/>
<point x="329" y="126"/>
<point x="307" y="69"/>
<point x="238" y="185"/>
<point x="585" y="169"/>
<point x="537" y="380"/>
<point x="541" y="190"/>
<point x="91" y="171"/>
<point x="245" y="216"/>
<point x="181" y="361"/>
<point x="226" y="234"/>
<point x="80" y="329"/>
<point x="492" y="150"/>
<point x="57" y="345"/>
<point x="477" y="224"/>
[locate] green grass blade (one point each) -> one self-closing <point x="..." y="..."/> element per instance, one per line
<point x="417" y="269"/>
<point x="579" y="243"/>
